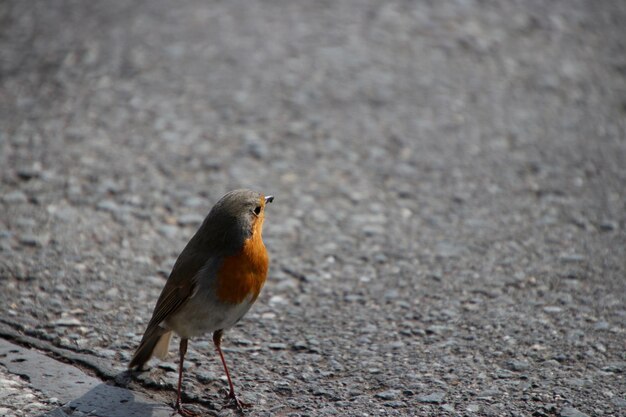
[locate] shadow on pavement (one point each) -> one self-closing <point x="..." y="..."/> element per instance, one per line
<point x="80" y="393"/>
<point x="110" y="401"/>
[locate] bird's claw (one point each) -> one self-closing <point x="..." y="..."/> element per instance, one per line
<point x="237" y="402"/>
<point x="185" y="412"/>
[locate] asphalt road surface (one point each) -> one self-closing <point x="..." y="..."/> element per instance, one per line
<point x="449" y="231"/>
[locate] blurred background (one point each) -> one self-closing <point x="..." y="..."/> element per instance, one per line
<point x="448" y="230"/>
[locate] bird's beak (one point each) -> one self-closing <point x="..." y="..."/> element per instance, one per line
<point x="269" y="199"/>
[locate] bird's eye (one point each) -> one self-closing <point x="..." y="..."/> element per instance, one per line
<point x="257" y="210"/>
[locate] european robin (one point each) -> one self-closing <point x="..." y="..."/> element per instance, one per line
<point x="214" y="282"/>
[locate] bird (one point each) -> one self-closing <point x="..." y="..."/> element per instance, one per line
<point x="214" y="282"/>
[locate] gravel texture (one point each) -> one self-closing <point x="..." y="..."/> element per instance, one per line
<point x="449" y="230"/>
<point x="18" y="399"/>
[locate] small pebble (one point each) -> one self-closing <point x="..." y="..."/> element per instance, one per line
<point x="436" y="329"/>
<point x="168" y="230"/>
<point x="435" y="398"/>
<point x="300" y="345"/>
<point x="277" y="346"/>
<point x="619" y="402"/>
<point x="504" y="374"/>
<point x="389" y="395"/>
<point x="572" y="412"/>
<point x="15" y="197"/>
<point x="28" y="173"/>
<point x="518" y="365"/>
<point x="29" y="240"/>
<point x="108" y="205"/>
<point x="473" y="408"/>
<point x="395" y="404"/>
<point x="168" y="366"/>
<point x="572" y="258"/>
<point x="190" y="219"/>
<point x="67" y="321"/>
<point x="206" y="376"/>
<point x="488" y="394"/>
<point x="601" y="325"/>
<point x="615" y="367"/>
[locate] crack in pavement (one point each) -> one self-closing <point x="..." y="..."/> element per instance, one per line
<point x="75" y="389"/>
<point x="101" y="368"/>
<point x="61" y="378"/>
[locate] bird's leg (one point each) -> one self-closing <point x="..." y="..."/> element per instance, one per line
<point x="217" y="340"/>
<point x="179" y="407"/>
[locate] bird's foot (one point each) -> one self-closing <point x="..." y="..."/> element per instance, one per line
<point x="234" y="400"/>
<point x="185" y="412"/>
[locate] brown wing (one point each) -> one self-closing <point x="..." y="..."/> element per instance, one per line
<point x="179" y="286"/>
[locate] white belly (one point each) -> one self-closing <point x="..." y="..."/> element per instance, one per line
<point x="201" y="315"/>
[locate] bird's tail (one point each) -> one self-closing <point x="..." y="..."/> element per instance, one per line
<point x="154" y="342"/>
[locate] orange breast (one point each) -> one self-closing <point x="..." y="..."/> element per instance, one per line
<point x="244" y="274"/>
